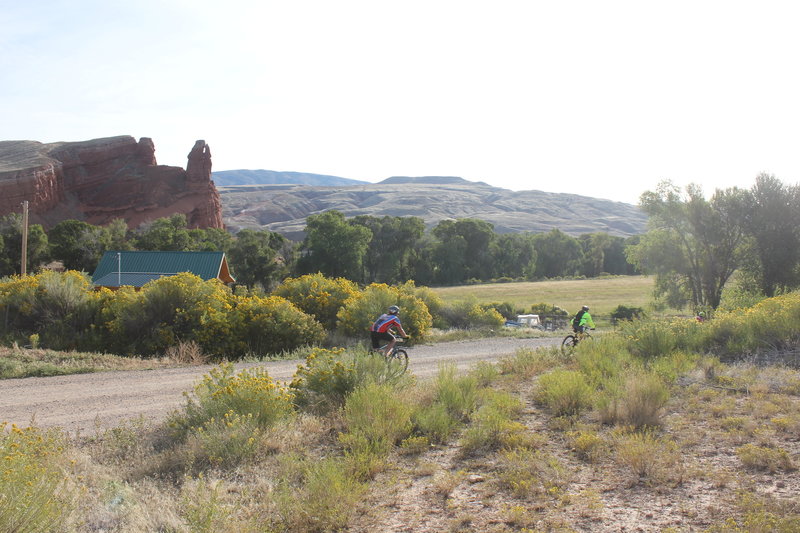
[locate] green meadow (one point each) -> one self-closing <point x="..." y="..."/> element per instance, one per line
<point x="601" y="294"/>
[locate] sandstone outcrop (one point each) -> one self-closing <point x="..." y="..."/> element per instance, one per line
<point x="102" y="179"/>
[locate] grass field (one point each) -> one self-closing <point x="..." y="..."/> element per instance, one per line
<point x="601" y="294"/>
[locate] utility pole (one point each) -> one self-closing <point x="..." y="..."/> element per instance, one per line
<point x="24" y="269"/>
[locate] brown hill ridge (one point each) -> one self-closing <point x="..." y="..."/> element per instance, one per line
<point x="284" y="208"/>
<point x="102" y="179"/>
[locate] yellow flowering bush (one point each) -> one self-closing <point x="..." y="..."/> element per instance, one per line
<point x="58" y="306"/>
<point x="325" y="379"/>
<point x="360" y="311"/>
<point x="35" y="494"/>
<point x="165" y="311"/>
<point x="222" y="395"/>
<point x="258" y="325"/>
<point x="317" y="295"/>
<point x="226" y="441"/>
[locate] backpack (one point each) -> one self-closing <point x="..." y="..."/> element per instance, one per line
<point x="576" y="321"/>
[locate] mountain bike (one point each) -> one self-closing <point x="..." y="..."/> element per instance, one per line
<point x="571" y="341"/>
<point x="397" y="357"/>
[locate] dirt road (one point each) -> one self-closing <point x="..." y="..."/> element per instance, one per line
<point x="86" y="403"/>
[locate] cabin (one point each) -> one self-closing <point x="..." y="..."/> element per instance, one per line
<point x="126" y="268"/>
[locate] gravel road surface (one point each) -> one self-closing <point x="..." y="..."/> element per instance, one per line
<point x="86" y="403"/>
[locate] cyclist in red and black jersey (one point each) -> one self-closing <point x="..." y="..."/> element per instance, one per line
<point x="380" y="330"/>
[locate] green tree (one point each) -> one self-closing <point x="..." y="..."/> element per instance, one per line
<point x="514" y="255"/>
<point x="164" y="234"/>
<point x="334" y="247"/>
<point x="78" y="245"/>
<point x="696" y="241"/>
<point x="771" y="215"/>
<point x="594" y="246"/>
<point x="260" y="258"/>
<point x="11" y="234"/>
<point x="390" y="252"/>
<point x="210" y="240"/>
<point x="470" y="237"/>
<point x="118" y="235"/>
<point x="558" y="254"/>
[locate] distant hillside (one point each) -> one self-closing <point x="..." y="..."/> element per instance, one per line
<point x="284" y="208"/>
<point x="229" y="178"/>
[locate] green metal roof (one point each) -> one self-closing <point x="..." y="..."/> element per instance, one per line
<point x="117" y="268"/>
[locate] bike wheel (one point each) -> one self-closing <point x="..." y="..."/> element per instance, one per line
<point x="568" y="344"/>
<point x="399" y="358"/>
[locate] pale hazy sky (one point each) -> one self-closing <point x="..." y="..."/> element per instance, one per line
<point x="602" y="98"/>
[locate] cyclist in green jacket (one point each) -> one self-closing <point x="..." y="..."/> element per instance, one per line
<point x="582" y="320"/>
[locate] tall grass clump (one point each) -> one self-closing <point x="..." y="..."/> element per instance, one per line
<point x="649" y="457"/>
<point x="35" y="493"/>
<point x="452" y="400"/>
<point x="315" y="495"/>
<point x="527" y="362"/>
<point x="635" y="399"/>
<point x="376" y="418"/>
<point x="564" y="392"/>
<point x="491" y="426"/>
<point x="604" y="360"/>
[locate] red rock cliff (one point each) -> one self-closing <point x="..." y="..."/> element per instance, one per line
<point x="99" y="180"/>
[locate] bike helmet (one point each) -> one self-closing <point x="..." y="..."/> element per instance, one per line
<point x="393" y="310"/>
<point x="585" y="307"/>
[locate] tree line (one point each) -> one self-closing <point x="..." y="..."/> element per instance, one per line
<point x="364" y="249"/>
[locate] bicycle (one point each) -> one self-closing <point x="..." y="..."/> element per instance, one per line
<point x="398" y="356"/>
<point x="571" y="341"/>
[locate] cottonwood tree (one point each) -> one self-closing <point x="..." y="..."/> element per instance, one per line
<point x="334" y="247"/>
<point x="694" y="245"/>
<point x="11" y="233"/>
<point x="771" y="216"/>
<point x="260" y="258"/>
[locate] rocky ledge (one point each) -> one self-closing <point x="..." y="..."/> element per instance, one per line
<point x="102" y="179"/>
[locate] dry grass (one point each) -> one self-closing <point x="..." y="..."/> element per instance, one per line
<point x="602" y="294"/>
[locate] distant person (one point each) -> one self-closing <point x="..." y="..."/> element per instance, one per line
<point x="582" y="320"/>
<point x="380" y="331"/>
<point x="701" y="316"/>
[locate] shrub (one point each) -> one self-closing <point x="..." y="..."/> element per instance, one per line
<point x="644" y="397"/>
<point x="469" y="314"/>
<point x="436" y="422"/>
<point x="565" y="392"/>
<point x="649" y="458"/>
<point x="587" y="445"/>
<point x="223" y="394"/>
<point x="326" y="378"/>
<point x="318" y="296"/>
<point x="259" y="325"/>
<point x="763" y="458"/>
<point x="506" y="309"/>
<point x="166" y="311"/>
<point x="525" y="472"/>
<point x="360" y="311"/>
<point x="34" y="493"/>
<point x="225" y="442"/>
<point x="458" y="394"/>
<point x="59" y="307"/>
<point x="376" y="419"/>
<point x="321" y="496"/>
<point x="622" y="312"/>
<point x="491" y="425"/>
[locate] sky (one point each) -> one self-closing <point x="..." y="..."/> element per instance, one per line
<point x="604" y="99"/>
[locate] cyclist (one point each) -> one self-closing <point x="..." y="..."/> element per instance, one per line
<point x="582" y="320"/>
<point x="380" y="330"/>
